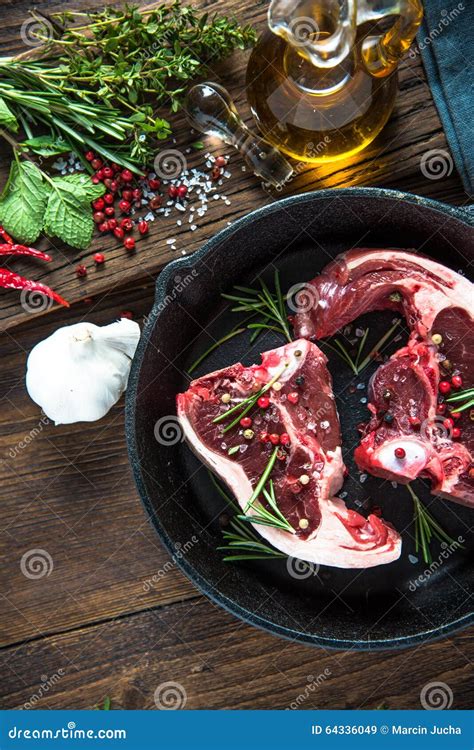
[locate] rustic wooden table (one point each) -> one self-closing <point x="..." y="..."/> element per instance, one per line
<point x="92" y="627"/>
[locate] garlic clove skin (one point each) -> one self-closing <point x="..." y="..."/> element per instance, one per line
<point x="79" y="372"/>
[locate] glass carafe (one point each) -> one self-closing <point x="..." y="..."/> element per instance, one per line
<point x="322" y="80"/>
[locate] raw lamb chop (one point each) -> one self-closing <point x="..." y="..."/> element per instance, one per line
<point x="296" y="412"/>
<point x="407" y="436"/>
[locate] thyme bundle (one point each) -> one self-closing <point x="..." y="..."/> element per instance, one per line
<point x="101" y="75"/>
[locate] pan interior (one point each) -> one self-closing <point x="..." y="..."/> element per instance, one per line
<point x="383" y="606"/>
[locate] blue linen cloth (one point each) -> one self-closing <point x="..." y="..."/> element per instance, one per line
<point x="446" y="42"/>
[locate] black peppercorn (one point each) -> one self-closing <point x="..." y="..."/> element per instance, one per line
<point x="388" y="418"/>
<point x="299" y="380"/>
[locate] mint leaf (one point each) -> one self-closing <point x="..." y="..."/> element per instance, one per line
<point x="46" y="145"/>
<point x="23" y="202"/>
<point x="86" y="190"/>
<point x="7" y="118"/>
<point x="68" y="213"/>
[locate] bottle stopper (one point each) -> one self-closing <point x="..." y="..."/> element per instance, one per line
<point x="210" y="109"/>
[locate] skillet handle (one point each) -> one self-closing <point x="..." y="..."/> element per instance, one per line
<point x="173" y="278"/>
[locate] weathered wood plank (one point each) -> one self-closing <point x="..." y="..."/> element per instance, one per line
<point x="220" y="663"/>
<point x="69" y="490"/>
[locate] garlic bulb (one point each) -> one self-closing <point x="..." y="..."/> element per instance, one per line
<point x="79" y="372"/>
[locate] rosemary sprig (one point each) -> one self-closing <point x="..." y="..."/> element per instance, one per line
<point x="227" y="337"/>
<point x="266" y="517"/>
<point x="105" y="78"/>
<point x="269" y="305"/>
<point x="242" y="539"/>
<point x="244" y="406"/>
<point x="354" y="363"/>
<point x="426" y="527"/>
<point x="466" y="397"/>
<point x="106" y="706"/>
<point x="263" y="479"/>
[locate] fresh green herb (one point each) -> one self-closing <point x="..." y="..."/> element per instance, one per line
<point x="263" y="479"/>
<point x="95" y="86"/>
<point x="426" y="527"/>
<point x="7" y="118"/>
<point x="198" y="145"/>
<point x="68" y="213"/>
<point x="269" y="305"/>
<point x="106" y="705"/>
<point x="46" y="145"/>
<point x="103" y="79"/>
<point x="264" y="516"/>
<point x="244" y="406"/>
<point x="465" y="398"/>
<point x="33" y="202"/>
<point x="23" y="201"/>
<point x="356" y="364"/>
<point x="214" y="346"/>
<point x="242" y="539"/>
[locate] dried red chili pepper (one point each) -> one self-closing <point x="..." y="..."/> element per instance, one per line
<point x="10" y="280"/>
<point x="12" y="249"/>
<point x="5" y="236"/>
